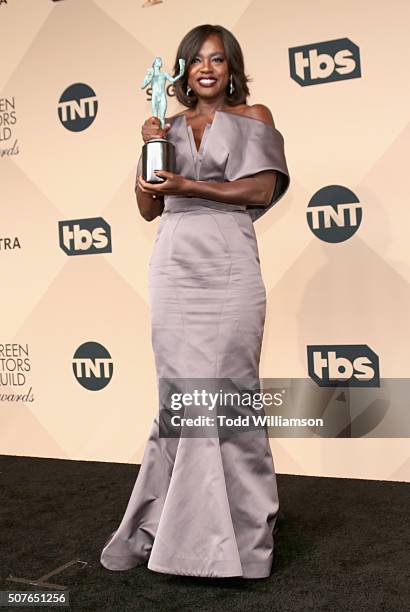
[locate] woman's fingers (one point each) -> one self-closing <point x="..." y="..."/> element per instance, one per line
<point x="142" y="185"/>
<point x="146" y="187"/>
<point x="164" y="174"/>
<point x="152" y="129"/>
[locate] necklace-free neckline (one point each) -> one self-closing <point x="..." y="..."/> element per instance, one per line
<point x="197" y="151"/>
<point x="189" y="129"/>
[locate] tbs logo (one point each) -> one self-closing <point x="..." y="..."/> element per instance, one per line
<point x="85" y="236"/>
<point x="343" y="365"/>
<point x="323" y="62"/>
<point x="334" y="213"/>
<point x="77" y="107"/>
<point x="92" y="366"/>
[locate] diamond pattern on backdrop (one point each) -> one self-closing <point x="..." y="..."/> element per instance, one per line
<point x="354" y="133"/>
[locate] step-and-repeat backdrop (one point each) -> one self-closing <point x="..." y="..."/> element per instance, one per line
<point x="77" y="374"/>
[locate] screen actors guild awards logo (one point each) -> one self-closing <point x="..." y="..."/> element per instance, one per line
<point x="8" y="120"/>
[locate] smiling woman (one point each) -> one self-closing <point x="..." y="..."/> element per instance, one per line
<point x="207" y="506"/>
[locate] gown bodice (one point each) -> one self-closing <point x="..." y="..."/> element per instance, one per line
<point x="233" y="146"/>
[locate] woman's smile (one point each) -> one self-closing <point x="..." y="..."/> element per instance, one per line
<point x="207" y="81"/>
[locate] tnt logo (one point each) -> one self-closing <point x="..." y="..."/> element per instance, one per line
<point x="77" y="107"/>
<point x="85" y="236"/>
<point x="344" y="365"/>
<point x="323" y="62"/>
<point x="334" y="213"/>
<point x="92" y="366"/>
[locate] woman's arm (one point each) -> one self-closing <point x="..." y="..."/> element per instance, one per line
<point x="257" y="189"/>
<point x="149" y="206"/>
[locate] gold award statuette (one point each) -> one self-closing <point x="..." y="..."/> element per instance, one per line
<point x="158" y="153"/>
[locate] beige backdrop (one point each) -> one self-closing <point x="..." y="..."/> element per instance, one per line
<point x="353" y="133"/>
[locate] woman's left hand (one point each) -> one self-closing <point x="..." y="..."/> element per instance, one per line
<point x="175" y="184"/>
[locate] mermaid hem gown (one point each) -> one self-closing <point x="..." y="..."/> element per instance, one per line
<point x="207" y="506"/>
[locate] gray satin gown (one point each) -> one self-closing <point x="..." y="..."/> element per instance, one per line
<point x="207" y="506"/>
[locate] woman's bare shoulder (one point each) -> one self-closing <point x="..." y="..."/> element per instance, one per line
<point x="176" y="115"/>
<point x="254" y="111"/>
<point x="259" y="111"/>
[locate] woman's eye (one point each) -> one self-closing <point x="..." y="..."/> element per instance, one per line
<point x="215" y="59"/>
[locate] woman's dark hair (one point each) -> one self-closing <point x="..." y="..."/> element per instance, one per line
<point x="188" y="50"/>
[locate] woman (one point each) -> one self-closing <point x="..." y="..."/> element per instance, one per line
<point x="206" y="506"/>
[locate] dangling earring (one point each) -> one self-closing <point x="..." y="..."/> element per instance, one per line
<point x="231" y="87"/>
<point x="188" y="90"/>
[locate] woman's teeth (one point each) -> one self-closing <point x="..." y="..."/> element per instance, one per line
<point x="207" y="82"/>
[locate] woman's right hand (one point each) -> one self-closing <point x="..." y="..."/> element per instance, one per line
<point x="152" y="129"/>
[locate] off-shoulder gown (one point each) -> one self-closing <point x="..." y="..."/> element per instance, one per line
<point x="207" y="506"/>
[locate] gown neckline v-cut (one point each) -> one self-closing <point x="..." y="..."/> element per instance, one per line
<point x="208" y="126"/>
<point x="197" y="150"/>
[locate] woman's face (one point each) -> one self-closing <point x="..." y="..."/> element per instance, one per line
<point x="208" y="73"/>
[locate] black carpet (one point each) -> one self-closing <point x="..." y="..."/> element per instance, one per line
<point x="342" y="544"/>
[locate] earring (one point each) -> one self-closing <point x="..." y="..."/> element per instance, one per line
<point x="188" y="90"/>
<point x="231" y="87"/>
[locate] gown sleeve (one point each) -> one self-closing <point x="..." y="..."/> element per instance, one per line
<point x="259" y="146"/>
